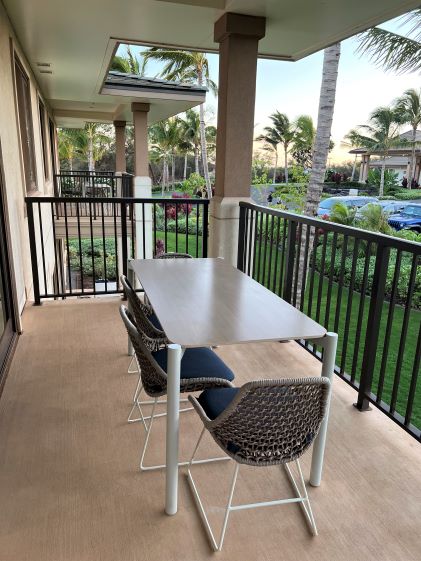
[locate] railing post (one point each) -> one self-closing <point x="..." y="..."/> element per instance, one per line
<point x="124" y="237"/>
<point x="373" y="327"/>
<point x="289" y="261"/>
<point x="241" y="257"/>
<point x="205" y="230"/>
<point x="33" y="249"/>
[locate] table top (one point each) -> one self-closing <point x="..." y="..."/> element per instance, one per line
<point x="204" y="302"/>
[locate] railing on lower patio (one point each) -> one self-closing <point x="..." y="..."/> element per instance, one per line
<point x="93" y="184"/>
<point x="79" y="247"/>
<point x="364" y="286"/>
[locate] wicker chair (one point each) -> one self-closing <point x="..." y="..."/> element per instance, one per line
<point x="201" y="369"/>
<point x="153" y="337"/>
<point x="263" y="423"/>
<point x="174" y="256"/>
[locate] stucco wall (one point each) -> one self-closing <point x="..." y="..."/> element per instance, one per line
<point x="12" y="162"/>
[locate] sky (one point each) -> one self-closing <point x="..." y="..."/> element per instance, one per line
<point x="294" y="87"/>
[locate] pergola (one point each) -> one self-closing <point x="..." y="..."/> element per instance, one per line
<point x="70" y="46"/>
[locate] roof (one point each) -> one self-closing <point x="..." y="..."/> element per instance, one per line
<point x="140" y="84"/>
<point x="406" y="137"/>
<point x="393" y="161"/>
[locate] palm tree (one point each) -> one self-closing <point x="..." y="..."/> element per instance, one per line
<point x="191" y="67"/>
<point x="128" y="64"/>
<point x="409" y="106"/>
<point x="192" y="134"/>
<point x="343" y="214"/>
<point x="67" y="145"/>
<point x="393" y="51"/>
<point x="324" y="126"/>
<point x="287" y="134"/>
<point x="352" y="141"/>
<point x="302" y="146"/>
<point x="272" y="139"/>
<point x="164" y="139"/>
<point x="92" y="142"/>
<point x="382" y="135"/>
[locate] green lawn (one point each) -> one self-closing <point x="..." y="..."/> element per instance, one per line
<point x="179" y="243"/>
<point x="350" y="356"/>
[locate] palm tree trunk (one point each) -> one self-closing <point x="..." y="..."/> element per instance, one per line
<point x="412" y="168"/>
<point x="320" y="153"/>
<point x="276" y="165"/>
<point x="196" y="160"/>
<point x="286" y="163"/>
<point x="354" y="167"/>
<point x="203" y="146"/>
<point x="91" y="163"/>
<point x="324" y="126"/>
<point x="185" y="167"/>
<point x="172" y="170"/>
<point x="70" y="164"/>
<point x="381" y="188"/>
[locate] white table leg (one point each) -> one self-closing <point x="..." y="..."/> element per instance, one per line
<point x="132" y="279"/>
<point x="329" y="343"/>
<point x="175" y="354"/>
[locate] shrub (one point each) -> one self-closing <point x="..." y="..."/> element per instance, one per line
<point x="408" y="195"/>
<point x="390" y="178"/>
<point x="194" y="183"/>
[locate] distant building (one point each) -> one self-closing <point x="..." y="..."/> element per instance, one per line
<point x="398" y="159"/>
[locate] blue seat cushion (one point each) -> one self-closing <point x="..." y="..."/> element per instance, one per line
<point x="198" y="363"/>
<point x="155" y="321"/>
<point x="214" y="401"/>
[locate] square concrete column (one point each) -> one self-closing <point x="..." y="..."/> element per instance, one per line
<point x="120" y="146"/>
<point x="142" y="181"/>
<point x="238" y="36"/>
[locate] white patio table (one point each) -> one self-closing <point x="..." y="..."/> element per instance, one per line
<point x="207" y="302"/>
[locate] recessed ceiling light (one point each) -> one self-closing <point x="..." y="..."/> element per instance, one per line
<point x="46" y="71"/>
<point x="47" y="64"/>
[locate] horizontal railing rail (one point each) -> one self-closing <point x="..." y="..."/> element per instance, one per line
<point x="80" y="247"/>
<point x="363" y="285"/>
<point x="107" y="184"/>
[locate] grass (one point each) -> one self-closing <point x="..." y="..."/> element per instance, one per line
<point x="181" y="243"/>
<point x="322" y="307"/>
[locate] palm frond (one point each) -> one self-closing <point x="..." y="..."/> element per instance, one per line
<point x="391" y="51"/>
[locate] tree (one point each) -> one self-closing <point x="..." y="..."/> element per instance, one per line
<point x="391" y="50"/>
<point x="324" y="126"/>
<point x="191" y="67"/>
<point x="192" y="135"/>
<point x="89" y="143"/>
<point x="353" y="140"/>
<point x="164" y="138"/>
<point x="409" y="107"/>
<point x="302" y="146"/>
<point x="382" y="135"/>
<point x="272" y="139"/>
<point x="128" y="64"/>
<point x="67" y="145"/>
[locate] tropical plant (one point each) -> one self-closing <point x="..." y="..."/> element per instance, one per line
<point x="342" y="214"/>
<point x="128" y="64"/>
<point x="352" y="140"/>
<point x="271" y="139"/>
<point x="373" y="218"/>
<point x="191" y="67"/>
<point x="259" y="171"/>
<point x="164" y="137"/>
<point x="391" y="50"/>
<point x="302" y="148"/>
<point x="281" y="132"/>
<point x="409" y="107"/>
<point x="193" y="184"/>
<point x="67" y="145"/>
<point x="390" y="178"/>
<point x="382" y="134"/>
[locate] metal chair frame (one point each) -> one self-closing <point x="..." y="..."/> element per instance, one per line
<point x="234" y="414"/>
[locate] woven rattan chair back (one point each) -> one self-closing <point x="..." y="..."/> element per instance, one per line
<point x="272" y="422"/>
<point x="155" y="337"/>
<point x="174" y="256"/>
<point x="154" y="379"/>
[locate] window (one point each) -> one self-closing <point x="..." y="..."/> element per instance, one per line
<point x="53" y="153"/>
<point x="41" y="110"/>
<point x="25" y="125"/>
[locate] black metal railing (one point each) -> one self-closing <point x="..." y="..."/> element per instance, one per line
<point x="79" y="247"/>
<point x="104" y="184"/>
<point x="364" y="286"/>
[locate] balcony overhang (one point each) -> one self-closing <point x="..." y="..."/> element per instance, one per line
<point x="75" y="41"/>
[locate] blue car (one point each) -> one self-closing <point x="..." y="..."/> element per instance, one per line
<point x="325" y="207"/>
<point x="408" y="219"/>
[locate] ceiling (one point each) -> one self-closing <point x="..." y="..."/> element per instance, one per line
<point x="78" y="38"/>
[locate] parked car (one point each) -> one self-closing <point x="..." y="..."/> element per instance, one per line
<point x="388" y="207"/>
<point x="408" y="219"/>
<point x="325" y="207"/>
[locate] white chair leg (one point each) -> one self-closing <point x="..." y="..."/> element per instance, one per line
<point x="300" y="498"/>
<point x="163" y="466"/>
<point x="133" y="367"/>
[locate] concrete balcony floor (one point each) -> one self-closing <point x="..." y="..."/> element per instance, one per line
<point x="70" y="489"/>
